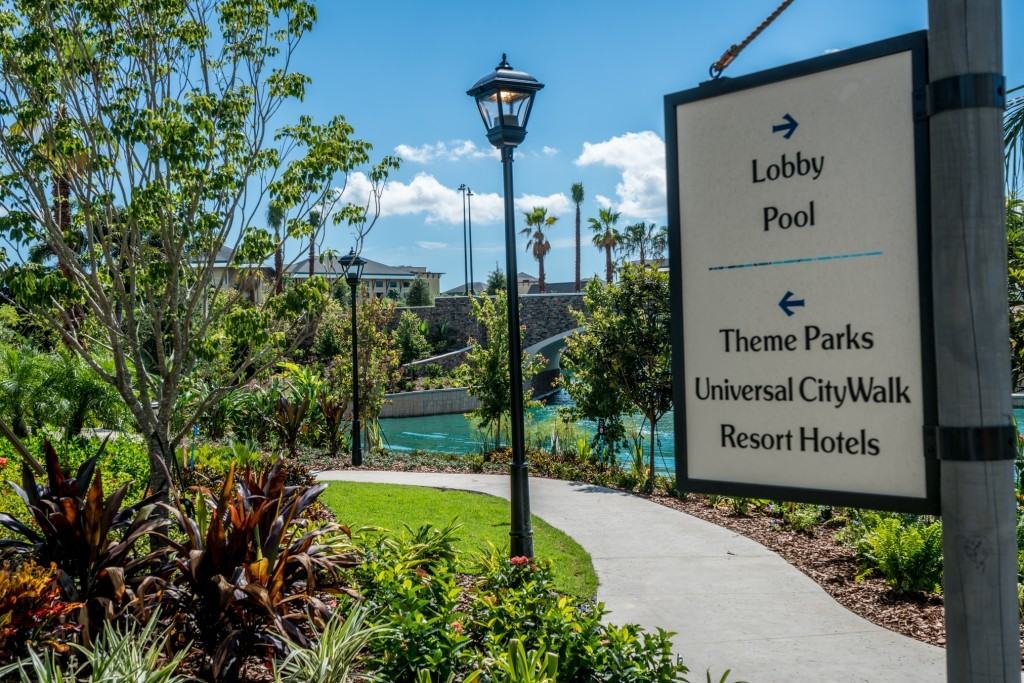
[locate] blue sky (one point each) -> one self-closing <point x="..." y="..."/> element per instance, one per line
<point x="399" y="70"/>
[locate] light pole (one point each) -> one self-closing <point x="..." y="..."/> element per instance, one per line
<point x="505" y="98"/>
<point x="469" y="230"/>
<point x="353" y="267"/>
<point x="465" y="250"/>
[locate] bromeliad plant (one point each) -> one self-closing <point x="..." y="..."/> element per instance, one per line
<point x="248" y="569"/>
<point x="93" y="542"/>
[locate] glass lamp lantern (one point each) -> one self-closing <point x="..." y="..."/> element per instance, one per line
<point x="353" y="264"/>
<point x="505" y="98"/>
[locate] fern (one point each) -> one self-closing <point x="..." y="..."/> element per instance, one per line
<point x="909" y="557"/>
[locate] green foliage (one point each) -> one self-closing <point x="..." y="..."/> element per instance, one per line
<point x="334" y="653"/>
<point x="1015" y="285"/>
<point x="488" y="367"/>
<point x="496" y="281"/>
<point x="136" y="654"/>
<point x="621" y="360"/>
<point x="908" y="556"/>
<point x="800" y="516"/>
<point x="518" y="666"/>
<point x="162" y="163"/>
<point x="412" y="343"/>
<point x="419" y="294"/>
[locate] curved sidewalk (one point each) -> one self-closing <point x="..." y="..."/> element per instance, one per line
<point x="733" y="603"/>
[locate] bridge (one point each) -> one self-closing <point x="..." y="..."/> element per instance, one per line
<point x="547" y="318"/>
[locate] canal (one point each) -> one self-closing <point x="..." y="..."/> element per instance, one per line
<point x="457" y="434"/>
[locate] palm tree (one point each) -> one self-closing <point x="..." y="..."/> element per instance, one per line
<point x="606" y="237"/>
<point x="537" y="219"/>
<point x="577" y="199"/>
<point x="275" y="219"/>
<point x="314" y="222"/>
<point x="1013" y="137"/>
<point x="645" y="240"/>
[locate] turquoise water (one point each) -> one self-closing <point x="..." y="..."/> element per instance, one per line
<point x="457" y="434"/>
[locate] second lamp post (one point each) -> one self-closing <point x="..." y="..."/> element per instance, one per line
<point x="353" y="267"/>
<point x="505" y="98"/>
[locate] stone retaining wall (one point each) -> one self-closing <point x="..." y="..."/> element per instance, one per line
<point x="430" y="402"/>
<point x="543" y="316"/>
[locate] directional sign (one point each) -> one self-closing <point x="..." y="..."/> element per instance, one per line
<point x="800" y="267"/>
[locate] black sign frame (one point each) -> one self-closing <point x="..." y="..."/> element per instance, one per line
<point x="917" y="44"/>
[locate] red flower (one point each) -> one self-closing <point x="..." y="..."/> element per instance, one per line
<point x="3" y="462"/>
<point x="457" y="627"/>
<point x="520" y="560"/>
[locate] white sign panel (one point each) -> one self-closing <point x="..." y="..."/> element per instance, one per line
<point x="798" y="258"/>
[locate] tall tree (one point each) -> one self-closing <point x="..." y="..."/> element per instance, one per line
<point x="607" y="237"/>
<point x="622" y="357"/>
<point x="169" y="140"/>
<point x="487" y="361"/>
<point x="644" y="240"/>
<point x="537" y="220"/>
<point x="496" y="281"/>
<point x="419" y="294"/>
<point x="577" y="199"/>
<point x="275" y="219"/>
<point x="314" y="229"/>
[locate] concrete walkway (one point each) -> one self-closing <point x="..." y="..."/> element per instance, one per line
<point x="733" y="603"/>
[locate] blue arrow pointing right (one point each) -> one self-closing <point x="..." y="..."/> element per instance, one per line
<point x="789" y="126"/>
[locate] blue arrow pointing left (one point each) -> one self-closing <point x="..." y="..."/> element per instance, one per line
<point x="788" y="303"/>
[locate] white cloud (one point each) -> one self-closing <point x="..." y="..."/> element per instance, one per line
<point x="453" y="150"/>
<point x="431" y="245"/>
<point x="548" y="151"/>
<point x="556" y="204"/>
<point x="641" y="158"/>
<point x="437" y="203"/>
<point x="603" y="201"/>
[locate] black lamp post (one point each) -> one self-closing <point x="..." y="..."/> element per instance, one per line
<point x="353" y="267"/>
<point x="465" y="250"/>
<point x="469" y="230"/>
<point x="505" y="98"/>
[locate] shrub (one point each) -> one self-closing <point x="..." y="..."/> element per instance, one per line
<point x="247" y="569"/>
<point x="132" y="654"/>
<point x="89" y="538"/>
<point x="31" y="607"/>
<point x="800" y="517"/>
<point x="908" y="556"/>
<point x="412" y="343"/>
<point x="334" y="652"/>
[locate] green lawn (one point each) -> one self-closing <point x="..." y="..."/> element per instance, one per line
<point x="483" y="518"/>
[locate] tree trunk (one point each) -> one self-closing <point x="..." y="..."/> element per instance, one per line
<point x="540" y="267"/>
<point x="161" y="464"/>
<point x="650" y="479"/>
<point x="608" y="263"/>
<point x="577" y="247"/>
<point x="312" y="255"/>
<point x="278" y="265"/>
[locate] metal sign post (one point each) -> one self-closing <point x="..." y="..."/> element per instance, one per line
<point x="975" y="440"/>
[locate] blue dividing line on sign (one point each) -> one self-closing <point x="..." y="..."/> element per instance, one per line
<point x="791" y="261"/>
